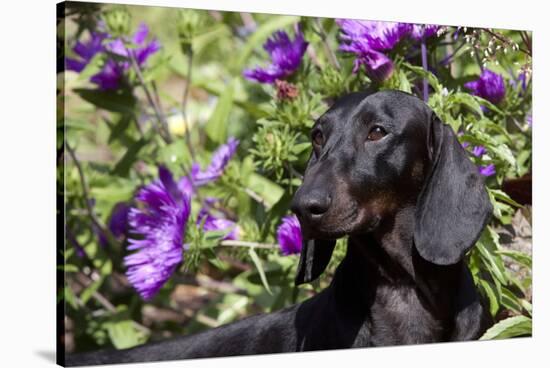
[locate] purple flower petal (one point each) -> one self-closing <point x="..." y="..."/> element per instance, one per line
<point x="113" y="71"/>
<point x="118" y="223"/>
<point x="489" y="86"/>
<point x="378" y="66"/>
<point x="286" y="56"/>
<point x="75" y="65"/>
<point x="110" y="75"/>
<point x="420" y="31"/>
<point x="220" y="159"/>
<point x="86" y="51"/>
<point x="367" y="40"/>
<point x="361" y="35"/>
<point x="289" y="235"/>
<point x="213" y="223"/>
<point x="487" y="170"/>
<point x="141" y="34"/>
<point x="159" y="222"/>
<point x="117" y="47"/>
<point x="143" y="53"/>
<point x="478" y="151"/>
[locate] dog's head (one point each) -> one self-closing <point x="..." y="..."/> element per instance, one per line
<point x="374" y="154"/>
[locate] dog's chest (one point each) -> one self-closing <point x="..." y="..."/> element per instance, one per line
<point x="397" y="316"/>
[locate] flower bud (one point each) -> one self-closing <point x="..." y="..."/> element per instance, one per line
<point x="117" y="21"/>
<point x="189" y="24"/>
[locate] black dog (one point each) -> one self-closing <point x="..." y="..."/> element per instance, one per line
<point x="389" y="174"/>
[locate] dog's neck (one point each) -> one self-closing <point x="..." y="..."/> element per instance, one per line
<point x="387" y="252"/>
<point x="388" y="257"/>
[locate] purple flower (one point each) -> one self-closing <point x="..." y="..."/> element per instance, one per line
<point x="359" y="35"/>
<point x="289" y="235"/>
<point x="478" y="151"/>
<point x="110" y="75"/>
<point x="378" y="66"/>
<point x="118" y="223"/>
<point x="286" y="56"/>
<point x="489" y="86"/>
<point x="142" y="50"/>
<point x="487" y="170"/>
<point x="367" y="40"/>
<point x="220" y="159"/>
<point x="212" y="223"/>
<point x="85" y="51"/>
<point x="112" y="72"/>
<point x="423" y="31"/>
<point x="159" y="222"/>
<point x="529" y="120"/>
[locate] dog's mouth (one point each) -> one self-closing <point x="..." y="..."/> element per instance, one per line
<point x="338" y="224"/>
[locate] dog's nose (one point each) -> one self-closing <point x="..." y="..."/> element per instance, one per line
<point x="311" y="206"/>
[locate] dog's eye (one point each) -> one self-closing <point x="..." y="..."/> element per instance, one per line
<point x="376" y="133"/>
<point x="317" y="138"/>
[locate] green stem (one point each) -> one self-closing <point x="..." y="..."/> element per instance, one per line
<point x="85" y="192"/>
<point x="184" y="104"/>
<point x="159" y="115"/>
<point x="240" y="243"/>
<point x="331" y="56"/>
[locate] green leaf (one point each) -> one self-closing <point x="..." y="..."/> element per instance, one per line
<point x="404" y="84"/>
<point x="494" y="304"/>
<point x="260" y="35"/>
<point x="92" y="67"/>
<point x="269" y="191"/>
<point x="520" y="257"/>
<point x="505" y="153"/>
<point x="488" y="104"/>
<point x="502" y="196"/>
<point x="510" y="327"/>
<point x="494" y="265"/>
<point x="527" y="306"/>
<point x="258" y="263"/>
<point x="70" y="297"/>
<point x="300" y="147"/>
<point x="432" y="79"/>
<point x="124" y="334"/>
<point x="466" y="100"/>
<point x="103" y="264"/>
<point x="218" y="32"/>
<point x="216" y="127"/>
<point x="90" y="290"/>
<point x="120" y="127"/>
<point x="511" y="301"/>
<point x="79" y="124"/>
<point x="117" y="101"/>
<point x="122" y="168"/>
<point x="119" y="189"/>
<point x="68" y="268"/>
<point x="152" y="72"/>
<point x="234" y="305"/>
<point x="213" y="237"/>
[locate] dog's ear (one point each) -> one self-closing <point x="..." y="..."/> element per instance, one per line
<point x="453" y="206"/>
<point x="314" y="258"/>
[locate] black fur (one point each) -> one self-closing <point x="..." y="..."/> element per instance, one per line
<point x="412" y="205"/>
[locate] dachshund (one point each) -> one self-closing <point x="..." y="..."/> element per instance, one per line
<point x="388" y="174"/>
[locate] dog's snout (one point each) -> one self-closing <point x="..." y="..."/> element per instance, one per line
<point x="311" y="206"/>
